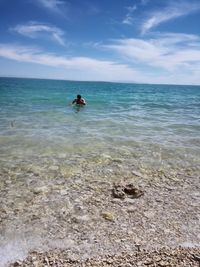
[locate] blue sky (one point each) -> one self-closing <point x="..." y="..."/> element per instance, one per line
<point x="146" y="41"/>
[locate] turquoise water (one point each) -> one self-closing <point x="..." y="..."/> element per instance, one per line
<point x="50" y="151"/>
<point x="157" y="126"/>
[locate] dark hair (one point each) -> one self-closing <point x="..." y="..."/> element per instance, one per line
<point x="79" y="96"/>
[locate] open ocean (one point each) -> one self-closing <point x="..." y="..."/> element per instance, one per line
<point x="49" y="149"/>
<point x="157" y="126"/>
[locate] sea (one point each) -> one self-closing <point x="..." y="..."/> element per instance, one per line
<point x="124" y="130"/>
<point x="157" y="126"/>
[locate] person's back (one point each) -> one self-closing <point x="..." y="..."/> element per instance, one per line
<point x="79" y="100"/>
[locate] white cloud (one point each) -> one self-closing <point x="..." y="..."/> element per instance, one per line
<point x="129" y="16"/>
<point x="35" y="30"/>
<point x="158" y="60"/>
<point x="88" y="67"/>
<point x="173" y="54"/>
<point x="52" y="5"/>
<point x="170" y="12"/>
<point x="128" y="20"/>
<point x="144" y="2"/>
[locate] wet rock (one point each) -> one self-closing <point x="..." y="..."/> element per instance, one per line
<point x="123" y="190"/>
<point x="40" y="190"/>
<point x="17" y="264"/>
<point x="196" y="258"/>
<point x="54" y="168"/>
<point x="138" y="174"/>
<point x="118" y="192"/>
<point x="129" y="201"/>
<point x="117" y="160"/>
<point x="131" y="190"/>
<point x="131" y="210"/>
<point x="149" y="214"/>
<point x="108" y="216"/>
<point x="81" y="219"/>
<point x="116" y="201"/>
<point x="63" y="192"/>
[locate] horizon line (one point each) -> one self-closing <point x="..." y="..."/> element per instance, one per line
<point x="122" y="82"/>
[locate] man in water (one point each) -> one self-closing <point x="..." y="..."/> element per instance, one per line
<point x="79" y="100"/>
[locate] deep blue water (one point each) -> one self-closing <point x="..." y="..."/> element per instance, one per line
<point x="147" y="122"/>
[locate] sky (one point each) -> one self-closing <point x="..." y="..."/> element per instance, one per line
<point x="142" y="41"/>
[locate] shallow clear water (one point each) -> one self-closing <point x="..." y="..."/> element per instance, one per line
<point x="154" y="124"/>
<point x="50" y="151"/>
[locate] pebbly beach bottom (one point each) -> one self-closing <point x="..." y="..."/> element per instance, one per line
<point x="77" y="220"/>
<point x="93" y="228"/>
<point x="116" y="183"/>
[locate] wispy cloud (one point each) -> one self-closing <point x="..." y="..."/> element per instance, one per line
<point x="168" y="51"/>
<point x="92" y="9"/>
<point x="39" y="30"/>
<point x="55" y="6"/>
<point x="85" y="68"/>
<point x="144" y="2"/>
<point x="88" y="67"/>
<point x="129" y="16"/>
<point x="172" y="11"/>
